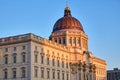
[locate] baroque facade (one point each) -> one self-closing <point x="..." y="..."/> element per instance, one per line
<point x="65" y="56"/>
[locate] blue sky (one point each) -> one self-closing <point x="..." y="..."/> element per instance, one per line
<point x="100" y="20"/>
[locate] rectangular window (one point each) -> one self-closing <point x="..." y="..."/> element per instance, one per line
<point x="23" y="58"/>
<point x="47" y="60"/>
<point x="67" y="65"/>
<point x="5" y="74"/>
<point x="59" y="41"/>
<point x="42" y="73"/>
<point x="6" y="59"/>
<point x="62" y="64"/>
<point x="6" y="49"/>
<point x="23" y="47"/>
<point x="55" y="39"/>
<point x="36" y="72"/>
<point x="68" y="76"/>
<point x="35" y="58"/>
<point x="23" y="73"/>
<point x="35" y="47"/>
<point x="14" y="48"/>
<point x="58" y="75"/>
<point x="48" y="74"/>
<point x="53" y="62"/>
<point x="14" y="73"/>
<point x="14" y="58"/>
<point x="58" y="63"/>
<point x="42" y="59"/>
<point x="64" y="40"/>
<point x="53" y="75"/>
<point x="79" y="41"/>
<point x="62" y="76"/>
<point x="74" y="40"/>
<point x="70" y="41"/>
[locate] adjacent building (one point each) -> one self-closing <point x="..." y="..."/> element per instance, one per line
<point x="65" y="56"/>
<point x="113" y="74"/>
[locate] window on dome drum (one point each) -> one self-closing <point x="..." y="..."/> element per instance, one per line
<point x="5" y="74"/>
<point x="35" y="58"/>
<point x="74" y="40"/>
<point x="14" y="73"/>
<point x="70" y="40"/>
<point x="55" y="39"/>
<point x="62" y="76"/>
<point x="42" y="59"/>
<point x="64" y="40"/>
<point x="59" y="40"/>
<point x="23" y="47"/>
<point x="23" y="73"/>
<point x="6" y="59"/>
<point x="42" y="73"/>
<point x="79" y="41"/>
<point x="23" y="57"/>
<point x="14" y="58"/>
<point x="36" y="72"/>
<point x="14" y="48"/>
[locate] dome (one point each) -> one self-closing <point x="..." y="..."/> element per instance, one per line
<point x="67" y="22"/>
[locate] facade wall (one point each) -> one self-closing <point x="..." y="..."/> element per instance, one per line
<point x="51" y="53"/>
<point x="10" y="51"/>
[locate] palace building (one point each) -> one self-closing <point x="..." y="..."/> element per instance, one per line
<point x="65" y="56"/>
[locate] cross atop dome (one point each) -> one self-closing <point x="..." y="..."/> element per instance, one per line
<point x="67" y="11"/>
